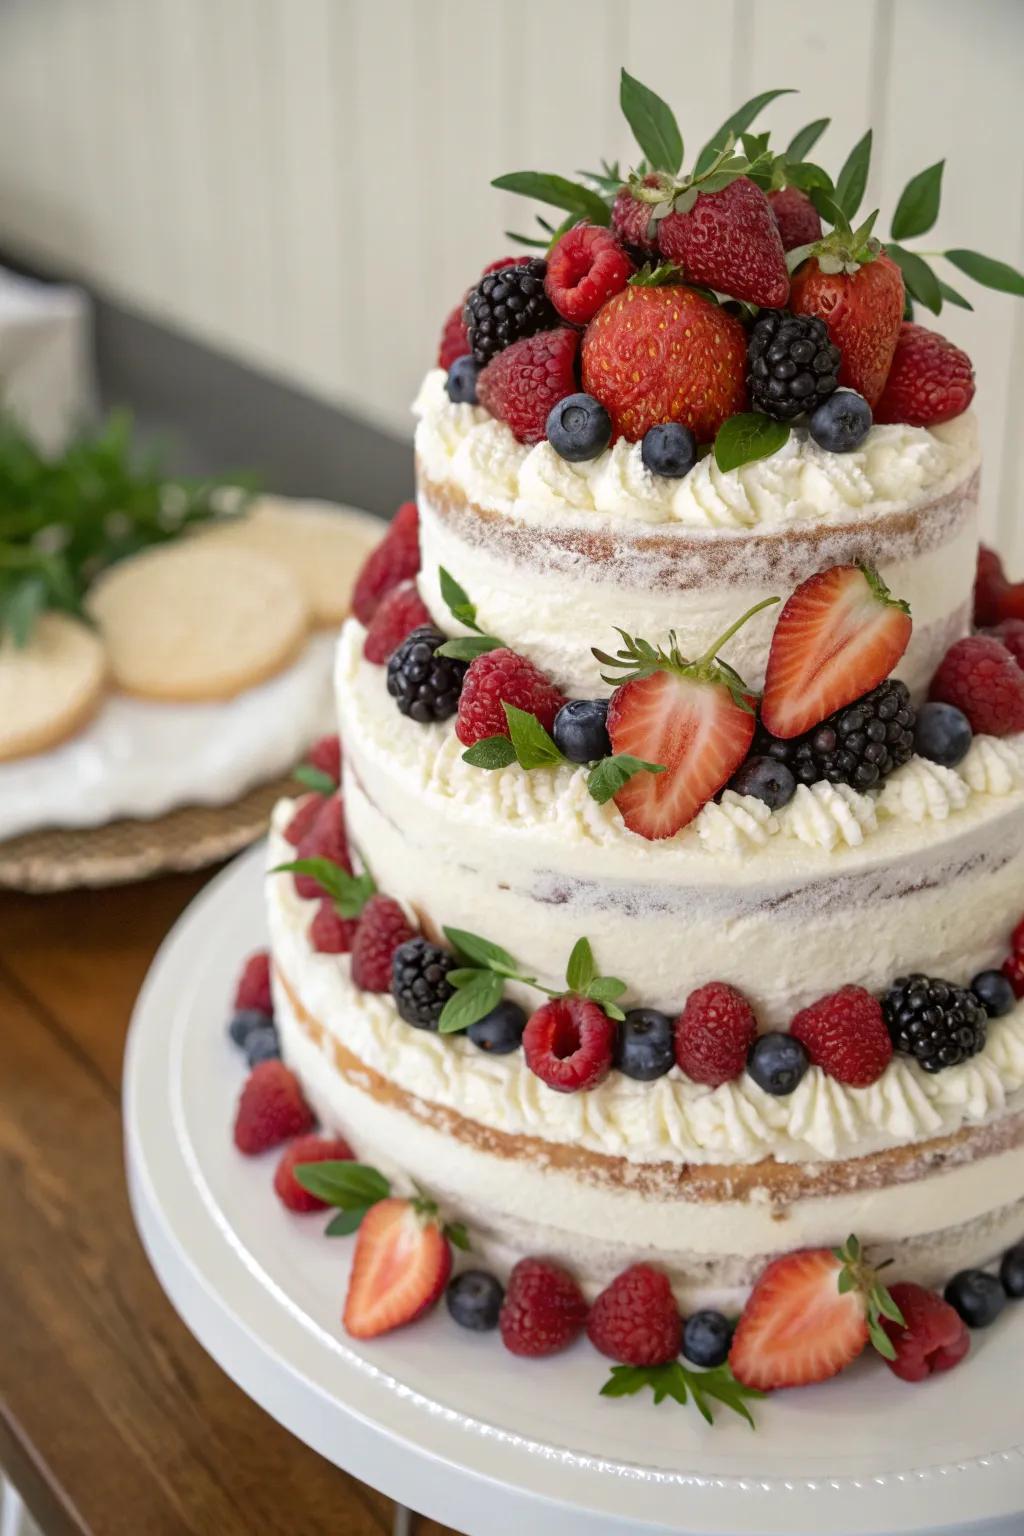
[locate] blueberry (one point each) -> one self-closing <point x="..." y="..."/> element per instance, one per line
<point x="474" y="1300"/>
<point x="581" y="730"/>
<point x="994" y="993"/>
<point x="262" y="1044"/>
<point x="646" y="1044"/>
<point x="1011" y="1271"/>
<point x="461" y="382"/>
<point x="842" y="422"/>
<point x="579" y="428"/>
<point x="706" y="1338"/>
<point x="669" y="449"/>
<point x="943" y="734"/>
<point x="766" y="779"/>
<point x="978" y="1297"/>
<point x="244" y="1022"/>
<point x="777" y="1062"/>
<point x="499" y="1031"/>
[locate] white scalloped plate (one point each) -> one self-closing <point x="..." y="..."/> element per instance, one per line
<point x="450" y="1424"/>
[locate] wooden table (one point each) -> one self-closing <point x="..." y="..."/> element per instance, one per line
<point x="113" y="1421"/>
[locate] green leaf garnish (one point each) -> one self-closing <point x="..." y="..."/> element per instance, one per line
<point x="468" y="647"/>
<point x="22" y="604"/>
<point x="803" y="141"/>
<point x="315" y="779"/>
<point x="920" y="280"/>
<point x="746" y="437"/>
<point x="951" y="296"/>
<point x="681" y="1385"/>
<point x="534" y="748"/>
<point x="581" y="970"/>
<point x="607" y="777"/>
<point x="733" y="126"/>
<point x="856" y="1274"/>
<point x="987" y="271"/>
<point x="653" y="123"/>
<point x="479" y="951"/>
<point x="344" y="1223"/>
<point x="350" y="893"/>
<point x="472" y="1001"/>
<point x="350" y="1186"/>
<point x="853" y="178"/>
<point x="558" y="191"/>
<point x="457" y="599"/>
<point x="918" y="207"/>
<point x="491" y="752"/>
<point x="455" y="1232"/>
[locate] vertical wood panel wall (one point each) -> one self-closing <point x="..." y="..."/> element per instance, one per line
<point x="305" y="182"/>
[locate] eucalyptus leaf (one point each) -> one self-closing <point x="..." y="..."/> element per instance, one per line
<point x="653" y="123"/>
<point x="558" y="191"/>
<point x="987" y="271"/>
<point x="746" y="437"/>
<point x="853" y="178"/>
<point x="918" y="207"/>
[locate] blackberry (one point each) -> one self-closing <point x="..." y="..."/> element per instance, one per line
<point x="791" y="364"/>
<point x="934" y="1021"/>
<point x="859" y="745"/>
<point x="419" y="981"/>
<point x="425" y="686"/>
<point x="505" y="306"/>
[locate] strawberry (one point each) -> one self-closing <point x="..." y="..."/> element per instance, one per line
<point x="838" y="636"/>
<point x="635" y="1319"/>
<point x="497" y="677"/>
<point x="1013" y="969"/>
<point x="395" y="559"/>
<point x="401" y="1266"/>
<point x="586" y="267"/>
<point x="325" y="755"/>
<point x="714" y="1033"/>
<point x="543" y="1311"/>
<point x="454" y="338"/>
<point x="845" y="1035"/>
<point x="665" y="354"/>
<point x="990" y="586"/>
<point x="252" y="993"/>
<point x="1017" y="939"/>
<point x="809" y="1315"/>
<point x="930" y="380"/>
<point x="382" y="927"/>
<point x="307" y="1149"/>
<point x="863" y="310"/>
<point x="569" y="1043"/>
<point x="329" y="932"/>
<point x="631" y="219"/>
<point x="325" y="839"/>
<point x="798" y="220"/>
<point x="526" y="379"/>
<point x="692" y="719"/>
<point x="729" y="241"/>
<point x="307" y="810"/>
<point x="400" y="612"/>
<point x="981" y="677"/>
<point x="271" y="1109"/>
<point x="933" y="1336"/>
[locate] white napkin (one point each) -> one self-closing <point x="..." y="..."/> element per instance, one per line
<point x="46" y="375"/>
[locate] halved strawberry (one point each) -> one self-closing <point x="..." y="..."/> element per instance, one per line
<point x="839" y="635"/>
<point x="401" y="1266"/>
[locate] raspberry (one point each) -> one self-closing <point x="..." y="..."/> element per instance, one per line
<point x="586" y="267"/>
<point x="329" y="932"/>
<point x="990" y="585"/>
<point x="636" y="1320"/>
<point x="401" y="611"/>
<point x="271" y="1109"/>
<point x="454" y="338"/>
<point x="253" y="990"/>
<point x="980" y="677"/>
<point x="382" y="927"/>
<point x="543" y="1311"/>
<point x="497" y="677"/>
<point x="714" y="1032"/>
<point x="395" y="559"/>
<point x="930" y="380"/>
<point x="845" y="1034"/>
<point x="796" y="216"/>
<point x="935" y="1337"/>
<point x="325" y="754"/>
<point x="306" y="812"/>
<point x="525" y="380"/>
<point x="631" y="220"/>
<point x="307" y="1149"/>
<point x="1013" y="970"/>
<point x="325" y="840"/>
<point x="568" y="1043"/>
<point x="1011" y="634"/>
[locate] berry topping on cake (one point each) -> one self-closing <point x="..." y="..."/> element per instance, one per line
<point x="425" y="686"/>
<point x="994" y="992"/>
<point x="253" y="990"/>
<point x="668" y="449"/>
<point x="329" y="932"/>
<point x="244" y="1021"/>
<point x="838" y="636"/>
<point x="862" y="308"/>
<point x="714" y="1034"/>
<point x="500" y="1031"/>
<point x="859" y="745"/>
<point x="543" y="1311"/>
<point x="271" y="1109"/>
<point x="262" y="1044"/>
<point x="792" y="364"/>
<point x="324" y="756"/>
<point x="930" y="380"/>
<point x="936" y="1022"/>
<point x="307" y="1149"/>
<point x="976" y="1296"/>
<point x="657" y="354"/>
<point x="586" y="267"/>
<point x="798" y="220"/>
<point x="569" y="1043"/>
<point x="778" y="1063"/>
<point x="396" y="558"/>
<point x="931" y="1338"/>
<point x="474" y="1300"/>
<point x="419" y="981"/>
<point x="1011" y="1271"/>
<point x="527" y="379"/>
<point x="506" y="306"/>
<point x="1010" y="632"/>
<point x="502" y="677"/>
<point x="729" y="241"/>
<point x="382" y="928"/>
<point x="765" y="778"/>
<point x="1013" y="970"/>
<point x="645" y="1048"/>
<point x="580" y="730"/>
<point x="841" y="423"/>
<point x="707" y="1336"/>
<point x="306" y="813"/>
<point x="980" y="676"/>
<point x="460" y="385"/>
<point x="401" y="611"/>
<point x="632" y="219"/>
<point x="635" y="1320"/>
<point x="400" y="1269"/>
<point x="990" y="584"/>
<point x="942" y="734"/>
<point x="845" y="1035"/>
<point x="578" y="428"/>
<point x="454" y="337"/>
<point x="325" y="839"/>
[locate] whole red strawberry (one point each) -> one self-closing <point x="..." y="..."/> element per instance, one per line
<point x="325" y="839"/>
<point x="934" y="1336"/>
<point x="325" y="754"/>
<point x="395" y="559"/>
<point x="382" y="927"/>
<point x="307" y="1149"/>
<point x="665" y="354"/>
<point x="525" y="380"/>
<point x="543" y="1311"/>
<point x="454" y="338"/>
<point x="271" y="1109"/>
<point x="497" y="677"/>
<point x="631" y="220"/>
<point x="930" y="380"/>
<point x="798" y="220"/>
<point x="401" y="611"/>
<point x="990" y="586"/>
<point x="729" y="241"/>
<point x="845" y="1035"/>
<point x="714" y="1033"/>
<point x="253" y="990"/>
<point x="307" y="810"/>
<point x="568" y="1043"/>
<point x="635" y="1320"/>
<point x="981" y="677"/>
<point x="329" y="932"/>
<point x="586" y="267"/>
<point x="863" y="311"/>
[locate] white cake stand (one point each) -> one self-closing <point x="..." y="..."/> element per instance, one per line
<point x="447" y="1422"/>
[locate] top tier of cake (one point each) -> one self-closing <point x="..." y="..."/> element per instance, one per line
<point x="555" y="554"/>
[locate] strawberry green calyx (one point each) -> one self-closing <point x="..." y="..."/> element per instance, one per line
<point x="856" y="1274"/>
<point x="639" y="658"/>
<point x="879" y="588"/>
<point x="843" y="249"/>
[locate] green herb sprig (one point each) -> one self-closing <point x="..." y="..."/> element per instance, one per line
<point x="485" y="967"/>
<point x="675" y="1382"/>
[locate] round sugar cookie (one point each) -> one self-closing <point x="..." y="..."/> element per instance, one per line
<point x="193" y="621"/>
<point x="322" y="544"/>
<point x="50" y="686"/>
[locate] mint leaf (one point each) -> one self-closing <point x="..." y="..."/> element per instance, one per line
<point x="315" y="779"/>
<point x="986" y="270"/>
<point x="802" y="142"/>
<point x="853" y="178"/>
<point x="457" y="599"/>
<point x="608" y="776"/>
<point x="918" y="207"/>
<point x="533" y="746"/>
<point x="581" y="970"/>
<point x="653" y="123"/>
<point x="922" y="284"/>
<point x="344" y="1223"/>
<point x="350" y="893"/>
<point x="471" y="1002"/>
<point x="605" y="989"/>
<point x="347" y="1185"/>
<point x="468" y="647"/>
<point x="471" y="946"/>
<point x="558" y="191"/>
<point x="738" y="123"/>
<point x="675" y="1381"/>
<point x="746" y="437"/>
<point x="491" y="752"/>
